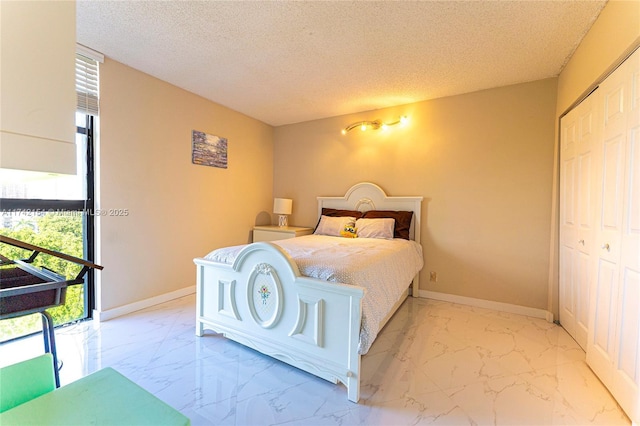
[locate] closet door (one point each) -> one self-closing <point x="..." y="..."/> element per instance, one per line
<point x="614" y="338"/>
<point x="578" y="139"/>
<point x="626" y="375"/>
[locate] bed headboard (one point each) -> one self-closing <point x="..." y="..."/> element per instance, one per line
<point x="367" y="196"/>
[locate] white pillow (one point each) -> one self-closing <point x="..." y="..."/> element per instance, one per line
<point x="332" y="226"/>
<point x="375" y="228"/>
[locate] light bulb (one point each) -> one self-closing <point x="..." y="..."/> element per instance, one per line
<point x="363" y="127"/>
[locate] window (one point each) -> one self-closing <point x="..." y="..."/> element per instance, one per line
<point x="55" y="211"/>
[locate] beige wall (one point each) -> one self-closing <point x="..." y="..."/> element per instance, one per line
<point x="177" y="210"/>
<point x="483" y="161"/>
<point x="614" y="34"/>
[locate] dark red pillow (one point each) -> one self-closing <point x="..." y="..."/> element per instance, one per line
<point x="403" y="221"/>
<point x="341" y="213"/>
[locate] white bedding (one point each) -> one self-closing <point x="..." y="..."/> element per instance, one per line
<point x="383" y="267"/>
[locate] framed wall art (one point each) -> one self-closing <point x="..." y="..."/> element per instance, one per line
<point x="209" y="150"/>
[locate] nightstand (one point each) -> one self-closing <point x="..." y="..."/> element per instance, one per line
<point x="275" y="232"/>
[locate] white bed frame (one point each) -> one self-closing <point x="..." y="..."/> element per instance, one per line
<point x="311" y="324"/>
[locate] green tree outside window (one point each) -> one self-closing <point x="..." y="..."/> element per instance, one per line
<point x="56" y="231"/>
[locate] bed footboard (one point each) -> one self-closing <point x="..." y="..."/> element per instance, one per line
<point x="262" y="302"/>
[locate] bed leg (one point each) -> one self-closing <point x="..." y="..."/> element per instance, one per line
<point x="353" y="389"/>
<point x="415" y="286"/>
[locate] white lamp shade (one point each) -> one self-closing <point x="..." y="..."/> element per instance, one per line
<point x="282" y="205"/>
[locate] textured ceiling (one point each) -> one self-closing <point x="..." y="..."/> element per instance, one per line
<point x="291" y="61"/>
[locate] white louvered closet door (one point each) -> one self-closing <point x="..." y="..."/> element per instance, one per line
<point x="577" y="211"/>
<point x="614" y="331"/>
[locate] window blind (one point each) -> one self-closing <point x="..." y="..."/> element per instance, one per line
<point x="87" y="88"/>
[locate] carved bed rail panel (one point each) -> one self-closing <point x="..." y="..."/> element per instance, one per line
<point x="263" y="302"/>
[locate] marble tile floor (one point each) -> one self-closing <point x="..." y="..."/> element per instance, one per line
<point x="434" y="363"/>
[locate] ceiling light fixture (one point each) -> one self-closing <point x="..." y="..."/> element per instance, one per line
<point x="374" y="125"/>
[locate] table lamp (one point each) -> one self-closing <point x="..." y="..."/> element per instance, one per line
<point x="282" y="207"/>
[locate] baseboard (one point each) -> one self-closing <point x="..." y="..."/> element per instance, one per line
<point x="445" y="297"/>
<point x="142" y="304"/>
<point x="489" y="304"/>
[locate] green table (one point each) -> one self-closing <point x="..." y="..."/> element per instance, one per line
<point x="105" y="397"/>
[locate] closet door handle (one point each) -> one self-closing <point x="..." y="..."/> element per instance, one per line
<point x="581" y="242"/>
<point x="606" y="247"/>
